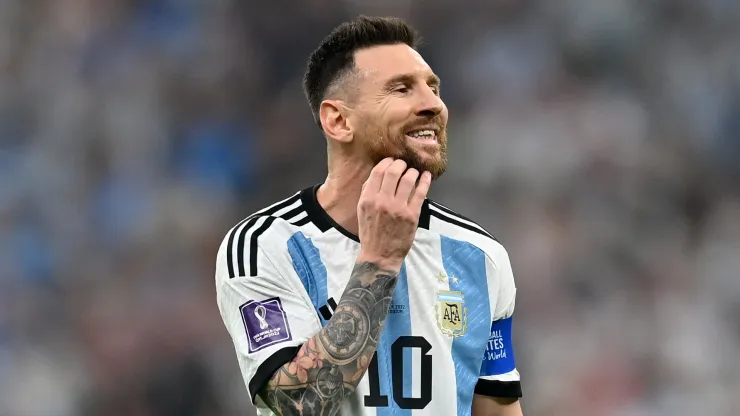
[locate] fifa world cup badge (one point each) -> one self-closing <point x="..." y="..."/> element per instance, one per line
<point x="452" y="315"/>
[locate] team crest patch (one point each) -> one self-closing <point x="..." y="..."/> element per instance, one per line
<point x="452" y="315"/>
<point x="266" y="323"/>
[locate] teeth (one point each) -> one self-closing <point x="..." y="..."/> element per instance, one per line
<point x="422" y="133"/>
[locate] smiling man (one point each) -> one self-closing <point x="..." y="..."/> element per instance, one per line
<point x="360" y="296"/>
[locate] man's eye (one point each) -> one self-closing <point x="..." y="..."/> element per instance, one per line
<point x="402" y="90"/>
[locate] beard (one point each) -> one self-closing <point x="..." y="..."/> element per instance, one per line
<point x="382" y="143"/>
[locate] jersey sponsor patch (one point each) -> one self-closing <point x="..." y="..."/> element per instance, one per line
<point x="499" y="355"/>
<point x="266" y="323"/>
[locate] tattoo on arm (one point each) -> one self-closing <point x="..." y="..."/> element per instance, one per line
<point x="329" y="366"/>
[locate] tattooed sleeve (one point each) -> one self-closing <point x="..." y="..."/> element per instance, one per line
<point x="329" y="366"/>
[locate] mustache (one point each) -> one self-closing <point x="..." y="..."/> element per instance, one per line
<point x="435" y="122"/>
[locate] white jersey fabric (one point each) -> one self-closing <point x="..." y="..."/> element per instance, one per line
<point x="281" y="272"/>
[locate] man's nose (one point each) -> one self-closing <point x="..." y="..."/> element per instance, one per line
<point x="430" y="104"/>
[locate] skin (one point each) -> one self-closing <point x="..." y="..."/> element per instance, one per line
<point x="374" y="189"/>
<point x="368" y="123"/>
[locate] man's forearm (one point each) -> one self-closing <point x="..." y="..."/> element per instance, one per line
<point x="329" y="366"/>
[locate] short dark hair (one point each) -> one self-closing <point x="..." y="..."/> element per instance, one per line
<point x="335" y="56"/>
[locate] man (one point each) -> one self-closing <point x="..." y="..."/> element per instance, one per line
<point x="360" y="296"/>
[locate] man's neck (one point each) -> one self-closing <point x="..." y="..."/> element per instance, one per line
<point x="340" y="193"/>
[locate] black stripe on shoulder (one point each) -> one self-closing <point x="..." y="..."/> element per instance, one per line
<point x="461" y="224"/>
<point x="293" y="213"/>
<point x="250" y="220"/>
<point x="253" y="245"/>
<point x="230" y="248"/>
<point x="254" y="238"/>
<point x="496" y="388"/>
<point x="303" y="221"/>
<point x="277" y="207"/>
<point x="448" y="211"/>
<point x="456" y="215"/>
<point x="241" y="242"/>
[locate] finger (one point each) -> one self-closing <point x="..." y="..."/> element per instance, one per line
<point x="375" y="180"/>
<point x="391" y="177"/>
<point x="420" y="193"/>
<point x="406" y="184"/>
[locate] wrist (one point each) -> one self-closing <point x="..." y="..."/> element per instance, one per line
<point x="390" y="264"/>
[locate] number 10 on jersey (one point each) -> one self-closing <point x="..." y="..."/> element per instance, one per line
<point x="378" y="399"/>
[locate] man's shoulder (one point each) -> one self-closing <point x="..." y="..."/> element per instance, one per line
<point x="454" y="225"/>
<point x="267" y="229"/>
<point x="281" y="214"/>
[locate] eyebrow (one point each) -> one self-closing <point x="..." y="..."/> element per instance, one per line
<point x="409" y="79"/>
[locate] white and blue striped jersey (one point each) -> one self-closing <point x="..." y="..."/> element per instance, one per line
<point x="281" y="272"/>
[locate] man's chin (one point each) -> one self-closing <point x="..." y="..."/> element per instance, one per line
<point x="435" y="167"/>
<point x="434" y="164"/>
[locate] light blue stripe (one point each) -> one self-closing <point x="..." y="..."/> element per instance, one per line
<point x="450" y="298"/>
<point x="311" y="270"/>
<point x="467" y="264"/>
<point x="398" y="324"/>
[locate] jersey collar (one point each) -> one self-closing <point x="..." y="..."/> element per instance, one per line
<point x="324" y="222"/>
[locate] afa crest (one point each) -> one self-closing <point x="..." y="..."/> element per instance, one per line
<point x="452" y="315"/>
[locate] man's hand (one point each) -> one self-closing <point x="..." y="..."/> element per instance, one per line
<point x="329" y="365"/>
<point x="388" y="212"/>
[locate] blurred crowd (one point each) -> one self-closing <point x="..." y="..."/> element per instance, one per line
<point x="599" y="140"/>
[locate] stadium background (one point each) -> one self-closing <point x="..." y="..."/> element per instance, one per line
<point x="597" y="139"/>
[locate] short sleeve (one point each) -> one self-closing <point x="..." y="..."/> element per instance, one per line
<point x="266" y="315"/>
<point x="498" y="374"/>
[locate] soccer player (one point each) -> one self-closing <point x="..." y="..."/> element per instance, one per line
<point x="360" y="296"/>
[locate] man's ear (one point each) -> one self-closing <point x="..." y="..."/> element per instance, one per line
<point x="337" y="126"/>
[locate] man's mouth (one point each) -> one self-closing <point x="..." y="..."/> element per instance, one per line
<point x="423" y="135"/>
